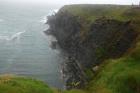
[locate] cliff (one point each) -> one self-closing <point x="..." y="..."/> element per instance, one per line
<point x="91" y="34"/>
<point x="101" y="44"/>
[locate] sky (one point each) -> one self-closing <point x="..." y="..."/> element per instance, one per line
<point x="63" y="2"/>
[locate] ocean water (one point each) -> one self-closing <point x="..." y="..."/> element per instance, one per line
<point x="24" y="48"/>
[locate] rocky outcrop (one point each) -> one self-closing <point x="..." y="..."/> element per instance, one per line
<point x="88" y="44"/>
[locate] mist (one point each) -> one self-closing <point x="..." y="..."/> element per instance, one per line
<point x="64" y="2"/>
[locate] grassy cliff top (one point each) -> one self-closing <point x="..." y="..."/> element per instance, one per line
<point x="90" y="12"/>
<point x="14" y="84"/>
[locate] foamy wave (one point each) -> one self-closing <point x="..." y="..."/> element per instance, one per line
<point x="51" y="12"/>
<point x="13" y="37"/>
<point x="43" y="20"/>
<point x="51" y="39"/>
<point x="17" y="35"/>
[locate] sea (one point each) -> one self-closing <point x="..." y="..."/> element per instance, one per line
<point x="24" y="48"/>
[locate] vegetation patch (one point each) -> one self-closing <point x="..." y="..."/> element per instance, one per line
<point x="14" y="84"/>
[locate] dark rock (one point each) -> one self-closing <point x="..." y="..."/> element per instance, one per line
<point x="102" y="39"/>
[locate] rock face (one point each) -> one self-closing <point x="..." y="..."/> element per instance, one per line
<point x="88" y="44"/>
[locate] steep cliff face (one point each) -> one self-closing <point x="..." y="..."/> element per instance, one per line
<point x="88" y="43"/>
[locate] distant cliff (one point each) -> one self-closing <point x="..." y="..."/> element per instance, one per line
<point x="91" y="34"/>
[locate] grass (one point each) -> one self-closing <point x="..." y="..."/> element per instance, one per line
<point x="118" y="76"/>
<point x="14" y="84"/>
<point x="91" y="12"/>
<point x="69" y="91"/>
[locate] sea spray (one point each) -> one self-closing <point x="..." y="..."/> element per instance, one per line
<point x="51" y="12"/>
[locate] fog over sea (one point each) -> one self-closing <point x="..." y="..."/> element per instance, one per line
<point x="24" y="48"/>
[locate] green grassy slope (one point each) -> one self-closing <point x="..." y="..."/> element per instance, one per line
<point x="118" y="76"/>
<point x="92" y="12"/>
<point x="13" y="84"/>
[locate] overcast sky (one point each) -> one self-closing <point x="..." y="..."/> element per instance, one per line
<point x="62" y="2"/>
